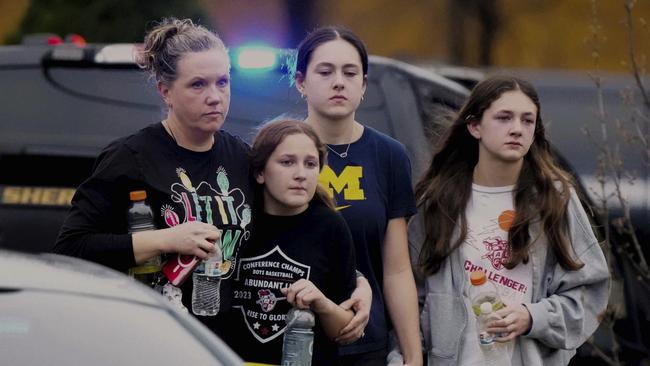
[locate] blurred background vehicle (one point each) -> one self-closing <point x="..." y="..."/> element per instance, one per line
<point x="57" y="310"/>
<point x="575" y="127"/>
<point x="68" y="101"/>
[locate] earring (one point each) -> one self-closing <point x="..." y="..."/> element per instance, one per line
<point x="362" y="96"/>
<point x="302" y="96"/>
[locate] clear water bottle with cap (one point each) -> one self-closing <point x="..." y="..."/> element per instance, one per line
<point x="493" y="354"/>
<point x="140" y="218"/>
<point x="486" y="301"/>
<point x="486" y="339"/>
<point x="298" y="344"/>
<point x="207" y="284"/>
<point x="483" y="291"/>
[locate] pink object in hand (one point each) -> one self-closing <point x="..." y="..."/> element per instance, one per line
<point x="178" y="268"/>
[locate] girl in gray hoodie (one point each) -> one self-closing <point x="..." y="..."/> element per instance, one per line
<point x="493" y="199"/>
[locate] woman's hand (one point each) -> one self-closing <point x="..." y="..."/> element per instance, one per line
<point x="360" y="302"/>
<point x="191" y="238"/>
<point x="303" y="294"/>
<point x="515" y="320"/>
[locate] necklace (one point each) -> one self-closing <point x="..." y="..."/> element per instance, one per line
<point x="169" y="129"/>
<point x="342" y="155"/>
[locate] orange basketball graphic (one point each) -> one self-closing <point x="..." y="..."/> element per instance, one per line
<point x="506" y="219"/>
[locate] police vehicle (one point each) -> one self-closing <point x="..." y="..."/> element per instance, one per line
<point x="63" y="102"/>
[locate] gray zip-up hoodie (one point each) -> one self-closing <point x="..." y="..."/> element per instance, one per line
<point x="566" y="306"/>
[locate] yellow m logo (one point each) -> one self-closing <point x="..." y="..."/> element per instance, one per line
<point x="348" y="182"/>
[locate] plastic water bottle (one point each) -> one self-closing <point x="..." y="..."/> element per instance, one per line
<point x="486" y="339"/>
<point x="493" y="354"/>
<point x="298" y="344"/>
<point x="140" y="218"/>
<point x="486" y="301"/>
<point x="483" y="291"/>
<point x="207" y="284"/>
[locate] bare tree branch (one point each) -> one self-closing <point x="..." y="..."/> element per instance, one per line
<point x="629" y="21"/>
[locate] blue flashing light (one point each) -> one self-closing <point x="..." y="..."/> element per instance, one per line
<point x="256" y="57"/>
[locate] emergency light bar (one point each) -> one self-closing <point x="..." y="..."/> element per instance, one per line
<point x="256" y="57"/>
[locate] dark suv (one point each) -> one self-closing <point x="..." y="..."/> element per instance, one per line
<point x="63" y="104"/>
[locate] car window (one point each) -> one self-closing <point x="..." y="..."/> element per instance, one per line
<point x="75" y="112"/>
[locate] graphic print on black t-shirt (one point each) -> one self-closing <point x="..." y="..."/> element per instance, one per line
<point x="262" y="304"/>
<point x="223" y="207"/>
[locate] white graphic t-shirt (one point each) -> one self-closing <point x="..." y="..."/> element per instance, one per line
<point x="490" y="213"/>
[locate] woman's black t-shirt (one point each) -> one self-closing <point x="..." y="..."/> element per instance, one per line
<point x="213" y="186"/>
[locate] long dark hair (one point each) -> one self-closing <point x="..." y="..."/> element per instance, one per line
<point x="270" y="135"/>
<point x="541" y="191"/>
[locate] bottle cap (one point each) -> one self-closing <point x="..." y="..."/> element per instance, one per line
<point x="477" y="278"/>
<point x="486" y="308"/>
<point x="138" y="195"/>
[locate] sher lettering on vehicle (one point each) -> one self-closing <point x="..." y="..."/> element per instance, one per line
<point x="37" y="196"/>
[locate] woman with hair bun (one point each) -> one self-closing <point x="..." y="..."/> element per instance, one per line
<point x="197" y="176"/>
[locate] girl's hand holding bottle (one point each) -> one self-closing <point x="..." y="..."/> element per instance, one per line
<point x="303" y="294"/>
<point x="515" y="320"/>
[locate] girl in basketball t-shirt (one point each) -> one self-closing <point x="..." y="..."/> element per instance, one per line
<point x="301" y="253"/>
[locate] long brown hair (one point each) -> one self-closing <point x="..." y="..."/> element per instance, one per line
<point x="270" y="135"/>
<point x="541" y="191"/>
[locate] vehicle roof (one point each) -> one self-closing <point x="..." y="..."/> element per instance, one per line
<point x="57" y="273"/>
<point x="420" y="73"/>
<point x="73" y="311"/>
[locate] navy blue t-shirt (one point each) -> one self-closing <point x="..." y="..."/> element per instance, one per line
<point x="371" y="186"/>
